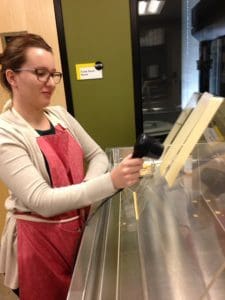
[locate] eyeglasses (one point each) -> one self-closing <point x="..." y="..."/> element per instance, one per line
<point x="43" y="74"/>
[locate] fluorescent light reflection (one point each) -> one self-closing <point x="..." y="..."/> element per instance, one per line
<point x="142" y="5"/>
<point x="155" y="7"/>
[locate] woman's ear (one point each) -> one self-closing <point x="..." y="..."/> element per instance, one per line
<point x="11" y="77"/>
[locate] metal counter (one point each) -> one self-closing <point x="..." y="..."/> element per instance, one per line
<point x="171" y="246"/>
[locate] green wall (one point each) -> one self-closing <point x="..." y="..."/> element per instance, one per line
<point x="100" y="31"/>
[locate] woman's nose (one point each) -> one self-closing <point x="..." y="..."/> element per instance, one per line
<point x="50" y="81"/>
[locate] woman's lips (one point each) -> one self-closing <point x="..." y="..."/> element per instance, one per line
<point x="47" y="93"/>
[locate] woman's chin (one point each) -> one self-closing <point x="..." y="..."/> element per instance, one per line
<point x="46" y="100"/>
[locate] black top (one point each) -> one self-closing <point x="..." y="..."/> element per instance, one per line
<point x="51" y="130"/>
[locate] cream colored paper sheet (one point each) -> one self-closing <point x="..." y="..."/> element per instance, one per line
<point x="188" y="126"/>
<point x="189" y="136"/>
<point x="185" y="113"/>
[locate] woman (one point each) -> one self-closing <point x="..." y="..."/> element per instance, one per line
<point x="42" y="149"/>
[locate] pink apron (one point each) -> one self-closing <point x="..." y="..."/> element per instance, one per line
<point x="47" y="251"/>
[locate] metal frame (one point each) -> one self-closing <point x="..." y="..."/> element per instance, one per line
<point x="6" y="36"/>
<point x="136" y="66"/>
<point x="63" y="55"/>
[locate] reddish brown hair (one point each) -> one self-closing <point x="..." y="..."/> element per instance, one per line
<point x="14" y="55"/>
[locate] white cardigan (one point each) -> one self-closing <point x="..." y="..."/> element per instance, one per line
<point x="23" y="170"/>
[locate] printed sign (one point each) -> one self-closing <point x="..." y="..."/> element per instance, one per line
<point x="88" y="71"/>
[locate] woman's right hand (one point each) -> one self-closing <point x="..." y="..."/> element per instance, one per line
<point x="127" y="172"/>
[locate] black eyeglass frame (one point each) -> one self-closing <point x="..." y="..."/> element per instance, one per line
<point x="55" y="75"/>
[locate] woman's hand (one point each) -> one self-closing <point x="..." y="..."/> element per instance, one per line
<point x="127" y="172"/>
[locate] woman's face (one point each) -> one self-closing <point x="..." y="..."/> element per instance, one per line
<point x="29" y="90"/>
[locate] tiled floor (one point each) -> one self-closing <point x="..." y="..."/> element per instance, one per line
<point x="6" y="294"/>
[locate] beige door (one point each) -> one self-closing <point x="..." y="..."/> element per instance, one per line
<point x="36" y="16"/>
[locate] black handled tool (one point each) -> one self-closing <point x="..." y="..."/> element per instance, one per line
<point x="148" y="147"/>
<point x="144" y="146"/>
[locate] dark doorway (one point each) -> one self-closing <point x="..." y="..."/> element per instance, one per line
<point x="156" y="42"/>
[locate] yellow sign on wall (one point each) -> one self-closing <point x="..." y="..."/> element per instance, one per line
<point x="88" y="71"/>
